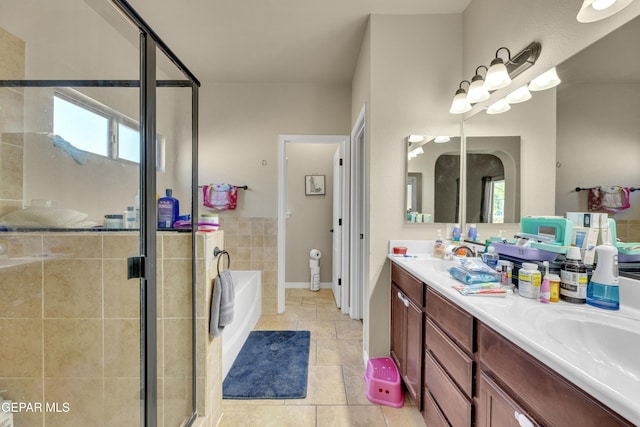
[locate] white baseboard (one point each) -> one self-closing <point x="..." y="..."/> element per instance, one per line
<point x="302" y="285"/>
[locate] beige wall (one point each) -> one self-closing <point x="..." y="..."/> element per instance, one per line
<point x="412" y="78"/>
<point x="239" y="129"/>
<point x="311" y="216"/>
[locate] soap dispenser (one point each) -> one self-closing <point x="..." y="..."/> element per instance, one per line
<point x="603" y="291"/>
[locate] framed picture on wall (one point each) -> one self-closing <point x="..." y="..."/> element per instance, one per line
<point x="314" y="185"/>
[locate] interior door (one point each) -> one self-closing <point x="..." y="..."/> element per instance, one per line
<point x="337" y="226"/>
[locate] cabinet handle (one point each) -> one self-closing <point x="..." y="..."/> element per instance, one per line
<point x="404" y="300"/>
<point x="522" y="419"/>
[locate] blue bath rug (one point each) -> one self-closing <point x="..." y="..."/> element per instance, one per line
<point x="270" y="365"/>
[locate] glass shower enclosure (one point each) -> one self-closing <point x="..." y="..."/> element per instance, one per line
<point x="97" y="304"/>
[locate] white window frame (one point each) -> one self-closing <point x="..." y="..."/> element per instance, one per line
<point x="115" y="119"/>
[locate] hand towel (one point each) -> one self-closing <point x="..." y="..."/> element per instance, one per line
<point x="220" y="196"/>
<point x="222" y="301"/>
<point x="610" y="199"/>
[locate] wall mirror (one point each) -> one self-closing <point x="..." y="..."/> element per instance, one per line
<point x="588" y="125"/>
<point x="433" y="179"/>
<point x="493" y="179"/>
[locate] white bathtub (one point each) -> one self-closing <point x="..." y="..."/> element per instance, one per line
<point x="247" y="311"/>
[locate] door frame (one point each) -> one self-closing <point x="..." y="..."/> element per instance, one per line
<point x="359" y="273"/>
<point x="344" y="142"/>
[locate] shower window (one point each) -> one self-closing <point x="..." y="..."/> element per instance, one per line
<point x="90" y="126"/>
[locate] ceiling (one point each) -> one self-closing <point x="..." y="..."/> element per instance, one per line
<point x="276" y="41"/>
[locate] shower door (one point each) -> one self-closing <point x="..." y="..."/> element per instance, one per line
<point x="81" y="142"/>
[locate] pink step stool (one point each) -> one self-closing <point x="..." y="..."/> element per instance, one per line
<point x="383" y="382"/>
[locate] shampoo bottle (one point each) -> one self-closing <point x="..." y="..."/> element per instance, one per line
<point x="168" y="210"/>
<point x="602" y="291"/>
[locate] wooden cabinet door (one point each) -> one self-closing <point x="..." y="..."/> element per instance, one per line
<point x="497" y="409"/>
<point x="413" y="356"/>
<point x="398" y="329"/>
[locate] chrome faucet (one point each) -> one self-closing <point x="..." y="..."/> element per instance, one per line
<point x="468" y="250"/>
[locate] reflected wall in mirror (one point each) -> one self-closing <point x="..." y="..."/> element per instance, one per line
<point x="433" y="180"/>
<point x="493" y="179"/>
<point x="598" y="142"/>
<point x="583" y="133"/>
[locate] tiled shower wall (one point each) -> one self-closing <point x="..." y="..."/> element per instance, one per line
<point x="253" y="245"/>
<point x="11" y="123"/>
<point x="71" y="329"/>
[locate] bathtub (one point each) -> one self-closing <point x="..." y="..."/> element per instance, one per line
<point x="247" y="311"/>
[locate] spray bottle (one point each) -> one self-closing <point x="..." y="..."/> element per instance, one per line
<point x="545" y="286"/>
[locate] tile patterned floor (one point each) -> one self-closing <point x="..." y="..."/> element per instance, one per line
<point x="336" y="388"/>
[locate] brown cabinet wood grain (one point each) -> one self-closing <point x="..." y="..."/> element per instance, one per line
<point x="496" y="408"/>
<point x="407" y="331"/>
<point x="454" y="321"/>
<point x="547" y="396"/>
<point x="457" y="364"/>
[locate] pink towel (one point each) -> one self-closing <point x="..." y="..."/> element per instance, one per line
<point x="220" y="196"/>
<point x="610" y="199"/>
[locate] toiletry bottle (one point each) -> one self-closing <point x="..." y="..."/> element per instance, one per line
<point x="490" y="257"/>
<point x="505" y="269"/>
<point x="573" y="278"/>
<point x="438" y="246"/>
<point x="136" y="208"/>
<point x="602" y="291"/>
<point x="545" y="286"/>
<point x="472" y="233"/>
<point x="168" y="210"/>
<point x="529" y="280"/>
<point x="554" y="288"/>
<point x="455" y="233"/>
<point x="129" y="218"/>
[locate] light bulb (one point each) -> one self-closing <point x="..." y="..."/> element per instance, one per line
<point x="521" y="94"/>
<point x="441" y="139"/>
<point x="602" y="4"/>
<point x="500" y="106"/>
<point x="546" y="80"/>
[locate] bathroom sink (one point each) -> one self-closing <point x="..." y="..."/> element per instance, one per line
<point x="610" y="340"/>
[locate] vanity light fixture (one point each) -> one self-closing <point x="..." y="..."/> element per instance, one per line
<point x="595" y="10"/>
<point x="546" y="80"/>
<point x="415" y="138"/>
<point x="477" y="91"/>
<point x="460" y="104"/>
<point x="500" y="106"/>
<point x="497" y="76"/>
<point x="441" y="139"/>
<point x="521" y="94"/>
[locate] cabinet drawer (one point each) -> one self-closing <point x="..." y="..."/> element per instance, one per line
<point x="496" y="408"/>
<point x="458" y="365"/>
<point x="553" y="399"/>
<point x="451" y="401"/>
<point x="408" y="284"/>
<point x="454" y="321"/>
<point x="433" y="416"/>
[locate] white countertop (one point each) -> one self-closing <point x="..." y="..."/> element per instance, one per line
<point x="526" y="322"/>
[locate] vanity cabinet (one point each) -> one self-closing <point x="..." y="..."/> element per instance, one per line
<point x="449" y="361"/>
<point x="513" y="381"/>
<point x="407" y="317"/>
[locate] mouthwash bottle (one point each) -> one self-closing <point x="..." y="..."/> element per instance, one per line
<point x="168" y="210"/>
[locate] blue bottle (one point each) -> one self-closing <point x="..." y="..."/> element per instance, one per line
<point x="168" y="210"/>
<point x="455" y="233"/>
<point x="603" y="291"/>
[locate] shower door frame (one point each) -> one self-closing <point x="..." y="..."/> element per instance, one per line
<point x="148" y="84"/>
